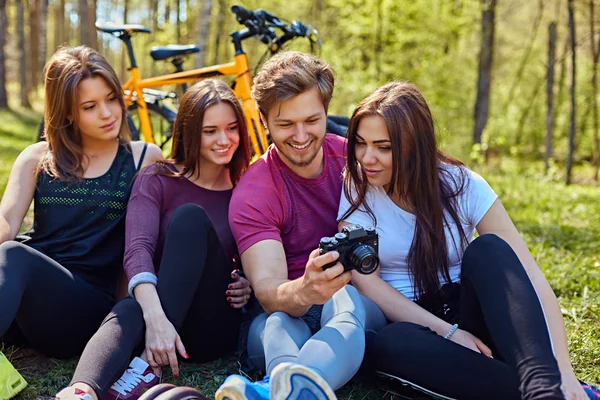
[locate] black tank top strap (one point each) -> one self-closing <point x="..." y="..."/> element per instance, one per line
<point x="141" y="160"/>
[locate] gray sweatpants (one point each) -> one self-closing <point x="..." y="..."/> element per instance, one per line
<point x="335" y="351"/>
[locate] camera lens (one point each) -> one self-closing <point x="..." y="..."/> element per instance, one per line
<point x="363" y="258"/>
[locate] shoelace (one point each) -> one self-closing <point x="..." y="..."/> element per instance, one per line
<point x="127" y="382"/>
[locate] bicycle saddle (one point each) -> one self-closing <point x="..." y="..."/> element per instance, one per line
<point x="172" y="50"/>
<point x="120" y="29"/>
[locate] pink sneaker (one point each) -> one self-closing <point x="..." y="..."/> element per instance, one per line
<point x="138" y="378"/>
<point x="71" y="393"/>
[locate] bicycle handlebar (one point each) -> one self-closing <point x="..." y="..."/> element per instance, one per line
<point x="261" y="24"/>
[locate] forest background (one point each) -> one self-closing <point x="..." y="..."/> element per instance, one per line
<point x="512" y="85"/>
<point x="484" y="66"/>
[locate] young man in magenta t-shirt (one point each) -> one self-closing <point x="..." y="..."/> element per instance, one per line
<point x="282" y="206"/>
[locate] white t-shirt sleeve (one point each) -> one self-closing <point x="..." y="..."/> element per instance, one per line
<point x="360" y="216"/>
<point x="477" y="198"/>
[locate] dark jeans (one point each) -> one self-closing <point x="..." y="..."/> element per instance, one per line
<point x="499" y="305"/>
<point x="192" y="281"/>
<point x="44" y="304"/>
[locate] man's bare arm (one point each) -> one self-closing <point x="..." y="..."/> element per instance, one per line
<point x="266" y="268"/>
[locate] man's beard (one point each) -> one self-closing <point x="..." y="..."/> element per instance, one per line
<point x="304" y="162"/>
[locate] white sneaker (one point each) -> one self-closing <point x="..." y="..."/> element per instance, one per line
<point x="138" y="378"/>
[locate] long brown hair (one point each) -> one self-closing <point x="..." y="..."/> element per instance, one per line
<point x="187" y="130"/>
<point x="420" y="177"/>
<point x="62" y="75"/>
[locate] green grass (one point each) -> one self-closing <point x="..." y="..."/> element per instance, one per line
<point x="561" y="225"/>
<point x="18" y="129"/>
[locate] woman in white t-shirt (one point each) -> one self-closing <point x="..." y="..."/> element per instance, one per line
<point x="461" y="318"/>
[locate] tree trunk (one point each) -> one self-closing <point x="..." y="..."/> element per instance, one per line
<point x="595" y="55"/>
<point x="57" y="24"/>
<point x="65" y="25"/>
<point x="153" y="14"/>
<point x="573" y="75"/>
<point x="220" y="29"/>
<point x="189" y="22"/>
<point x="562" y="78"/>
<point x="22" y="55"/>
<point x="3" y="32"/>
<point x="34" y="43"/>
<point x="43" y="31"/>
<point x="84" y="33"/>
<point x="123" y="50"/>
<point x="203" y="29"/>
<point x="167" y="14"/>
<point x="482" y="104"/>
<point x="178" y="21"/>
<point x="378" y="39"/>
<point x="91" y="22"/>
<point x="550" y="93"/>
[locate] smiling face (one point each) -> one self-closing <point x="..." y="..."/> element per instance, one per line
<point x="297" y="127"/>
<point x="373" y="150"/>
<point x="99" y="109"/>
<point x="220" y="134"/>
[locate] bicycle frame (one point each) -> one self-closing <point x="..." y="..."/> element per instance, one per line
<point x="243" y="84"/>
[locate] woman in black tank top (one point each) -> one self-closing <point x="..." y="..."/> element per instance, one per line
<point x="57" y="281"/>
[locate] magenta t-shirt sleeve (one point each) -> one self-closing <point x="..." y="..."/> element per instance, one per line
<point x="142" y="224"/>
<point x="255" y="211"/>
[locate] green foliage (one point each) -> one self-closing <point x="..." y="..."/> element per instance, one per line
<point x="560" y="224"/>
<point x="432" y="43"/>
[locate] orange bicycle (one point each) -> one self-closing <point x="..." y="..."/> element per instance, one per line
<point x="154" y="118"/>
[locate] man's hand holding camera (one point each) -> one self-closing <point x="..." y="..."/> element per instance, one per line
<point x="329" y="267"/>
<point x="319" y="285"/>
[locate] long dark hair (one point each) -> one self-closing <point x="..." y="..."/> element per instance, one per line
<point x="420" y="177"/>
<point x="187" y="130"/>
<point x="62" y="75"/>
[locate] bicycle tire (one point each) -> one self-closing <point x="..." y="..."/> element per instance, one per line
<point x="162" y="119"/>
<point x="182" y="393"/>
<point x="135" y="134"/>
<point x="156" y="391"/>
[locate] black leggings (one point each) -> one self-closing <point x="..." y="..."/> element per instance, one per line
<point x="44" y="304"/>
<point x="498" y="305"/>
<point x="192" y="281"/>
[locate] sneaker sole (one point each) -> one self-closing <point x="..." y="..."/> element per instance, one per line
<point x="404" y="382"/>
<point x="296" y="382"/>
<point x="233" y="389"/>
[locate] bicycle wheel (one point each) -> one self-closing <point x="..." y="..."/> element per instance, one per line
<point x="161" y="119"/>
<point x="135" y="133"/>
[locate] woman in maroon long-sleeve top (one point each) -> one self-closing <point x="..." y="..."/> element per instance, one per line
<point x="180" y="256"/>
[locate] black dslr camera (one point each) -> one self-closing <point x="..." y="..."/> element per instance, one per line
<point x="357" y="247"/>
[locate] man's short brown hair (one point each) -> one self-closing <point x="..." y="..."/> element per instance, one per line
<point x="289" y="74"/>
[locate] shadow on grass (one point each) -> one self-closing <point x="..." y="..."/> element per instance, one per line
<point x="47" y="376"/>
<point x="28" y="117"/>
<point x="26" y="136"/>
